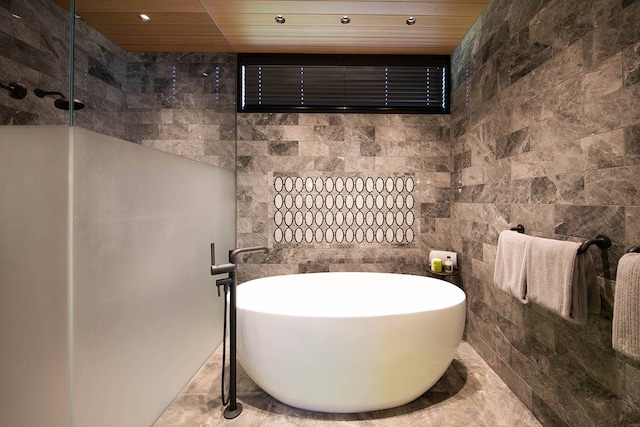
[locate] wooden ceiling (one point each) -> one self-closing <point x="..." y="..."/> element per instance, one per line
<point x="312" y="26"/>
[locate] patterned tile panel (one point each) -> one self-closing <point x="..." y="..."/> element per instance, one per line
<point x="344" y="209"/>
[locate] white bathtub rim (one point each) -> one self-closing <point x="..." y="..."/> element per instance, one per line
<point x="457" y="296"/>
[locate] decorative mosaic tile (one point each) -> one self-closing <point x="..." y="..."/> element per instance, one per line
<point x="344" y="209"/>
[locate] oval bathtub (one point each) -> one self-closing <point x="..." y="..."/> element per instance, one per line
<point x="348" y="342"/>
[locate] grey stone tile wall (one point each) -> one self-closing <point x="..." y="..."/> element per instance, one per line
<point x="180" y="103"/>
<point x="545" y="133"/>
<point x="341" y="145"/>
<point x="184" y="104"/>
<point x="35" y="53"/>
<point x="100" y="81"/>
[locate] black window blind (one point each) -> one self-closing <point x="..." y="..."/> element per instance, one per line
<point x="304" y="84"/>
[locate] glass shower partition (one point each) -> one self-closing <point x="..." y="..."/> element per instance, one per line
<point x="35" y="279"/>
<point x="107" y="307"/>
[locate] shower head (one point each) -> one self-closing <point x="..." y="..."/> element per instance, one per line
<point x="16" y="90"/>
<point x="62" y="102"/>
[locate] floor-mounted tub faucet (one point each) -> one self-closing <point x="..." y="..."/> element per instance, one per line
<point x="229" y="283"/>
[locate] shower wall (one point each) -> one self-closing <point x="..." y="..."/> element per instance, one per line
<point x="179" y="103"/>
<point x="36" y="54"/>
<point x="100" y="76"/>
<point x="546" y="133"/>
<point x="414" y="148"/>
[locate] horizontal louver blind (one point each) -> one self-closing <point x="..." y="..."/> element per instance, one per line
<point x="285" y="87"/>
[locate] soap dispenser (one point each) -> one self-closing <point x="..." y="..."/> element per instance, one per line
<point x="448" y="265"/>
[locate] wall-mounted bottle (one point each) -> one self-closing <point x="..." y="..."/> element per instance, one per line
<point x="436" y="265"/>
<point x="448" y="265"/>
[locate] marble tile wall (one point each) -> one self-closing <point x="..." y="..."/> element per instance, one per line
<point x="180" y="103"/>
<point x="340" y="146"/>
<point x="35" y="53"/>
<point x="100" y="81"/>
<point x="183" y="103"/>
<point x="545" y="132"/>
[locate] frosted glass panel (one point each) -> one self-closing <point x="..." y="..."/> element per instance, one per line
<point x="147" y="314"/>
<point x="33" y="276"/>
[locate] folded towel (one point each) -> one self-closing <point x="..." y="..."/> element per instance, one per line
<point x="626" y="308"/>
<point x="443" y="256"/>
<point x="510" y="271"/>
<point x="561" y="280"/>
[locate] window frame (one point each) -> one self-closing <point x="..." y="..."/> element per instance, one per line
<point x="340" y="60"/>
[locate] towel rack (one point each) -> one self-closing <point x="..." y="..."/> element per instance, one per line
<point x="600" y="241"/>
<point x="635" y="249"/>
<point x="519" y="228"/>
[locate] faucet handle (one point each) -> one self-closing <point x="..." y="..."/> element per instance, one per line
<point x="222" y="268"/>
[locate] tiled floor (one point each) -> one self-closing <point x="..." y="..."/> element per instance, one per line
<point x="469" y="394"/>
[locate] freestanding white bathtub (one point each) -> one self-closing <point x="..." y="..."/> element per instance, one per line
<point x="348" y="342"/>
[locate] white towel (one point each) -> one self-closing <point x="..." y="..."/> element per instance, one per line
<point x="626" y="308"/>
<point x="561" y="280"/>
<point x="510" y="271"/>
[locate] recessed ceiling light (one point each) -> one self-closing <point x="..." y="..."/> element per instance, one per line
<point x="280" y="19"/>
<point x="345" y="19"/>
<point x="145" y="18"/>
<point x="411" y="20"/>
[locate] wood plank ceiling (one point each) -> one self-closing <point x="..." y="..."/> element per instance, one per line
<point x="311" y="26"/>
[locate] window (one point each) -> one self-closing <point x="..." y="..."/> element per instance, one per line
<point x="343" y="83"/>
